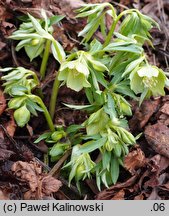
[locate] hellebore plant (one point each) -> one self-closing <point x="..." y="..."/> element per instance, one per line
<point x="19" y="82"/>
<point x="108" y="72"/>
<point x="36" y="38"/>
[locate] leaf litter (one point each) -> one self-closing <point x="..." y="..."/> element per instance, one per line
<point x="145" y="174"/>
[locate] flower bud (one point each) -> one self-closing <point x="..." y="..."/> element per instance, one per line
<point x="22" y="116"/>
<point x="80" y="172"/>
<point x="34" y="42"/>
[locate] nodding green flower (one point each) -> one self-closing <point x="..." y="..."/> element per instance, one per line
<point x="149" y="78"/>
<point x="19" y="81"/>
<point x="81" y="165"/>
<point x="96" y="122"/>
<point x="75" y="74"/>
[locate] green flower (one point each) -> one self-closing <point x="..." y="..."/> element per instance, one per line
<point x="22" y="116"/>
<point x="75" y="74"/>
<point x="81" y="165"/>
<point x="149" y="80"/>
<point x="96" y="122"/>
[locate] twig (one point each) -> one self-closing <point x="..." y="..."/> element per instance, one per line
<point x="57" y="166"/>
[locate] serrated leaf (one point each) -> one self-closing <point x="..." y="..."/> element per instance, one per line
<point x="37" y="26"/>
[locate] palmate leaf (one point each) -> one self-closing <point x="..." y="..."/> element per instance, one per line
<point x="96" y="17"/>
<point x="39" y="28"/>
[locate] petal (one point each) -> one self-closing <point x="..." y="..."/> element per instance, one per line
<point x="72" y="64"/>
<point x="75" y="82"/>
<point x="136" y="83"/>
<point x="86" y="84"/>
<point x="81" y="68"/>
<point x="148" y="71"/>
<point x="158" y="89"/>
<point x="63" y="74"/>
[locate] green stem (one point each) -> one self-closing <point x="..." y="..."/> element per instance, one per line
<point x="45" y="111"/>
<point x="109" y="36"/>
<point x="45" y="59"/>
<point x="54" y="96"/>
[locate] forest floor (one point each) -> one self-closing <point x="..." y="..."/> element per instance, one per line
<point x="23" y="175"/>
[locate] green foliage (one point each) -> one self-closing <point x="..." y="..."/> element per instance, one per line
<point x="109" y="73"/>
<point x="34" y="34"/>
<point x="19" y="82"/>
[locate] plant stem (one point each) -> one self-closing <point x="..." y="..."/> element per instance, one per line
<point x="46" y="113"/>
<point x="109" y="36"/>
<point x="48" y="117"/>
<point x="54" y="96"/>
<point x="45" y="59"/>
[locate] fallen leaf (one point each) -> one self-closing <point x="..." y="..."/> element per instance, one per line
<point x="134" y="160"/>
<point x="154" y="195"/>
<point x="3" y="195"/>
<point x="40" y="184"/>
<point x="143" y="114"/>
<point x="139" y="197"/>
<point x="2" y="102"/>
<point x="10" y="125"/>
<point x="157" y="136"/>
<point x="165" y="109"/>
<point x="109" y="192"/>
<point x="50" y="185"/>
<point x="119" y="195"/>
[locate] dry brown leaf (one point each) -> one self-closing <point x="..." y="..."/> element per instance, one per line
<point x="134" y="160"/>
<point x="50" y="185"/>
<point x="11" y="125"/>
<point x="3" y="195"/>
<point x="143" y="114"/>
<point x="40" y="184"/>
<point x="119" y="195"/>
<point x="157" y="136"/>
<point x="110" y="192"/>
<point x="2" y="102"/>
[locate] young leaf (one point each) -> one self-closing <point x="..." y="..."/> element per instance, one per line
<point x="92" y="145"/>
<point x="114" y="169"/>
